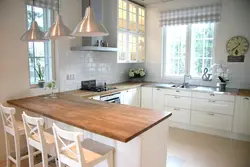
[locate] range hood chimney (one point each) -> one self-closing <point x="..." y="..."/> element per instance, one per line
<point x="89" y="43"/>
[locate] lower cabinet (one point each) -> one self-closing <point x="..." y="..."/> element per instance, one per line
<point x="131" y="97"/>
<point x="212" y="120"/>
<point x="179" y="115"/>
<point x="147" y="97"/>
<point x="242" y="116"/>
<point x="158" y="99"/>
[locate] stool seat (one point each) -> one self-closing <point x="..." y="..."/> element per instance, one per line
<point x="74" y="153"/>
<point x="92" y="150"/>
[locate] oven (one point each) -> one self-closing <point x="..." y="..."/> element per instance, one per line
<point x="112" y="98"/>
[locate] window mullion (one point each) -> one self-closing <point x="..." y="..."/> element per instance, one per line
<point x="188" y="49"/>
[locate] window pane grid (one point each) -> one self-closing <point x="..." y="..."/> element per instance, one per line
<point x="40" y="52"/>
<point x="176" y="54"/>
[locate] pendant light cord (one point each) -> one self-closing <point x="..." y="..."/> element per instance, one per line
<point x="32" y="11"/>
<point x="58" y="11"/>
<point x="89" y="2"/>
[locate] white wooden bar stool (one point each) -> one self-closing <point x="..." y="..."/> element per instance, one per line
<point x="16" y="129"/>
<point x="73" y="153"/>
<point x="39" y="139"/>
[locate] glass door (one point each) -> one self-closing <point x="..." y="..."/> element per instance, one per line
<point x="122" y="47"/>
<point x="141" y="20"/>
<point x="132" y="45"/>
<point x="123" y="14"/>
<point x="132" y="19"/>
<point x="141" y="48"/>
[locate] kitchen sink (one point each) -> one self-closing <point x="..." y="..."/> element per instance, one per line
<point x="184" y="87"/>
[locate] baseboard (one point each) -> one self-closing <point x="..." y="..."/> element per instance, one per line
<point x="210" y="131"/>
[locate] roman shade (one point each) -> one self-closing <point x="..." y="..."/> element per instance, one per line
<point x="201" y="14"/>
<point x="51" y="4"/>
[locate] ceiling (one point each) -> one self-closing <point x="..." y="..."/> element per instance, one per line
<point x="148" y="2"/>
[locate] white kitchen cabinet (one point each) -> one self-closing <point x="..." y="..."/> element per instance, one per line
<point x="177" y="101"/>
<point x="216" y="106"/>
<point x="179" y="114"/>
<point x="131" y="97"/>
<point x="178" y="92"/>
<point x="130" y="32"/>
<point x="146" y="97"/>
<point x="241" y="123"/>
<point x="158" y="99"/>
<point x="213" y="96"/>
<point x="212" y="120"/>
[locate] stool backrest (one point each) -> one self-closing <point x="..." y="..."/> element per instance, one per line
<point x="9" y="121"/>
<point x="34" y="131"/>
<point x="68" y="147"/>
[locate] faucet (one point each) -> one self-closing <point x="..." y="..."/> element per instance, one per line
<point x="185" y="84"/>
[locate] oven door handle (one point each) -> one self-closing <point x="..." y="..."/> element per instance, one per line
<point x="113" y="100"/>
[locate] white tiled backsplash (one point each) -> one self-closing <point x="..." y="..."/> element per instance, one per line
<point x="101" y="66"/>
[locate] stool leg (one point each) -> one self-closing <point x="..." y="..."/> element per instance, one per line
<point x="31" y="156"/>
<point x="110" y="159"/>
<point x="7" y="150"/>
<point x="18" y="152"/>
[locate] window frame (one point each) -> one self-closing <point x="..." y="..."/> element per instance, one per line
<point x="188" y="57"/>
<point x="51" y="50"/>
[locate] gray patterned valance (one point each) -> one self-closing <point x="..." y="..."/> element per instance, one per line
<point x="51" y="4"/>
<point x="202" y="14"/>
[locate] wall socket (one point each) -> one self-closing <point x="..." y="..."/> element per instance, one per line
<point x="70" y="76"/>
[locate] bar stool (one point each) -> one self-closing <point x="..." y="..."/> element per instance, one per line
<point x="39" y="139"/>
<point x="73" y="153"/>
<point x="16" y="129"/>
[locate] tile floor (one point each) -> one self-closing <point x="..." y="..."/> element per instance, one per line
<point x="191" y="149"/>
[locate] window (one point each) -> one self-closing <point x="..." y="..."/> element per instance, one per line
<point x="40" y="52"/>
<point x="188" y="49"/>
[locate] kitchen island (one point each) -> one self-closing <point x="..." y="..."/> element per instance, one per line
<point x="138" y="135"/>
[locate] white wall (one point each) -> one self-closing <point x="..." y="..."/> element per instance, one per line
<point x="14" y="71"/>
<point x="234" y="21"/>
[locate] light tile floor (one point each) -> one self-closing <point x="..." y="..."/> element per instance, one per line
<point x="191" y="149"/>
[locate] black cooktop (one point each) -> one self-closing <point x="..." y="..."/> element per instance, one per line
<point x="91" y="86"/>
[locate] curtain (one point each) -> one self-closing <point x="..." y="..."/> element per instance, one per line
<point x="51" y="4"/>
<point x="202" y="14"/>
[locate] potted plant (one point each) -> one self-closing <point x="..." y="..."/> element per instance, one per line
<point x="40" y="73"/>
<point x="137" y="74"/>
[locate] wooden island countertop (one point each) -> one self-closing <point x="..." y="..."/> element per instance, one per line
<point x="115" y="121"/>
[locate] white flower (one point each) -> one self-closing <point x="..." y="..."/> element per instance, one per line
<point x="137" y="71"/>
<point x="131" y="74"/>
<point x="142" y="74"/>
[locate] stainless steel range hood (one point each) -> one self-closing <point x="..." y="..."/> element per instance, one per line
<point x="89" y="43"/>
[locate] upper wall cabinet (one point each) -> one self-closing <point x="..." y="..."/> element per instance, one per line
<point x="125" y="22"/>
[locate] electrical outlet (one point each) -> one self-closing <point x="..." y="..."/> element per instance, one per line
<point x="70" y="76"/>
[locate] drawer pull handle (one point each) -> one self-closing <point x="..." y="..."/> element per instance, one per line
<point x="212" y="101"/>
<point x="211" y="114"/>
<point x="176" y="109"/>
<point x="158" y="89"/>
<point x="246" y="98"/>
<point x="177" y="97"/>
<point x="177" y="91"/>
<point x="212" y="94"/>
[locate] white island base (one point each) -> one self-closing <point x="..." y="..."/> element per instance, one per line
<point x="147" y="150"/>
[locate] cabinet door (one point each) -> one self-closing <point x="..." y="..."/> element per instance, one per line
<point x="158" y="99"/>
<point x="146" y="97"/>
<point x="122" y="54"/>
<point x="132" y="45"/>
<point x="122" y="14"/>
<point x="141" y="20"/>
<point x="141" y="48"/>
<point x="127" y="97"/>
<point x="242" y="116"/>
<point x="132" y="17"/>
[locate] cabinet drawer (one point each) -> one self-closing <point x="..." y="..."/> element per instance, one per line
<point x="216" y="106"/>
<point x="213" y="96"/>
<point x="179" y="115"/>
<point x="212" y="120"/>
<point x="177" y="101"/>
<point x="178" y="92"/>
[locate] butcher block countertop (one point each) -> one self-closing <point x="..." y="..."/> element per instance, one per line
<point x="119" y="122"/>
